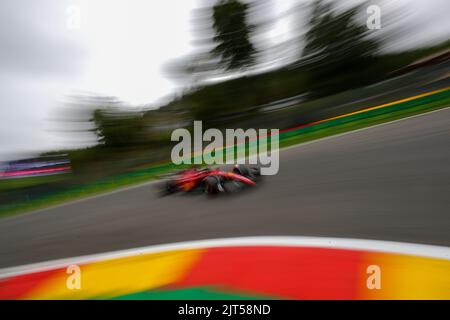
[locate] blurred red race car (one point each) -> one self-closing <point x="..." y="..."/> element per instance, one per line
<point x="211" y="181"/>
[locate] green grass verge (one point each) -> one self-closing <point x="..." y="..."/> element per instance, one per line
<point x="11" y="184"/>
<point x="289" y="138"/>
<point x="195" y="293"/>
<point x="366" y="119"/>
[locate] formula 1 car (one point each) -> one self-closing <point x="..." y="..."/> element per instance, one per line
<point x="211" y="181"/>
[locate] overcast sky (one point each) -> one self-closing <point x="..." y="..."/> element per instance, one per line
<point x="119" y="49"/>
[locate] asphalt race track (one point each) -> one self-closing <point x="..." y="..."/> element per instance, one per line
<point x="390" y="182"/>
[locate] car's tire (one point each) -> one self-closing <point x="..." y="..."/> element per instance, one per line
<point x="256" y="171"/>
<point x="247" y="171"/>
<point x="211" y="185"/>
<point x="242" y="170"/>
<point x="169" y="187"/>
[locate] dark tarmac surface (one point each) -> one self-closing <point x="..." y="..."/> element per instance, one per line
<point x="390" y="182"/>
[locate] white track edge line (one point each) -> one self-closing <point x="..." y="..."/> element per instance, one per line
<point x="422" y="250"/>
<point x="107" y="193"/>
<point x="365" y="128"/>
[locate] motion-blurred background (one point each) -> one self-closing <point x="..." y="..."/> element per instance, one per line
<point x="91" y="90"/>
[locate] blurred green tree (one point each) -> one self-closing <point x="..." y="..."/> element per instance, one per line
<point x="339" y="49"/>
<point x="118" y="129"/>
<point x="232" y="35"/>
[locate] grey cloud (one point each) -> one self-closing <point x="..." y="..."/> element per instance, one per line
<point x="33" y="38"/>
<point x="39" y="59"/>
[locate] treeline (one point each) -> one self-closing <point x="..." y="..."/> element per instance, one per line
<point x="339" y="53"/>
